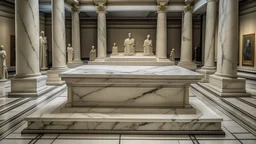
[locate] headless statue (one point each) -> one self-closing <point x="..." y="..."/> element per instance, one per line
<point x="3" y="67"/>
<point x="93" y="54"/>
<point x="70" y="52"/>
<point x="129" y="45"/>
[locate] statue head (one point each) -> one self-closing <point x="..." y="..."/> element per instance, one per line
<point x="92" y="47"/>
<point x="114" y="44"/>
<point x="130" y="35"/>
<point x="173" y="49"/>
<point x="69" y="45"/>
<point x="42" y="33"/>
<point x="1" y="47"/>
<point x="148" y="36"/>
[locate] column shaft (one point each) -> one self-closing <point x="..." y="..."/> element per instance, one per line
<point x="27" y="38"/>
<point x="228" y="38"/>
<point x="161" y="37"/>
<point x="58" y="35"/>
<point x="210" y="35"/>
<point x="186" y="50"/>
<point x="102" y="42"/>
<point x="76" y="37"/>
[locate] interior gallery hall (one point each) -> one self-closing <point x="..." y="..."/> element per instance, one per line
<point x="127" y="72"/>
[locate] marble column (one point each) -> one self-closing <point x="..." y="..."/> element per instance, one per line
<point x="58" y="43"/>
<point x="102" y="31"/>
<point x="225" y="80"/>
<point x="76" y="33"/>
<point x="186" y="49"/>
<point x="209" y="55"/>
<point x="28" y="79"/>
<point x="161" y="34"/>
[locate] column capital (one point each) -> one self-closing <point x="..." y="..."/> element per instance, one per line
<point x="188" y="8"/>
<point x="161" y="8"/>
<point x="100" y="6"/>
<point x="75" y="6"/>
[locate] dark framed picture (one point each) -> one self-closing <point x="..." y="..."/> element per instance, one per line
<point x="248" y="50"/>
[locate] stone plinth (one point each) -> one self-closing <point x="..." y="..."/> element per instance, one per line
<point x="136" y="60"/>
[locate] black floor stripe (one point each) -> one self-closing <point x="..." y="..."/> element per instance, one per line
<point x="55" y="139"/>
<point x="120" y="139"/>
<point x="193" y="139"/>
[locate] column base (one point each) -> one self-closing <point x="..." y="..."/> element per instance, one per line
<point x="227" y="87"/>
<point x="53" y="77"/>
<point x="206" y="72"/>
<point x="32" y="86"/>
<point x="77" y="61"/>
<point x="44" y="68"/>
<point x="188" y="65"/>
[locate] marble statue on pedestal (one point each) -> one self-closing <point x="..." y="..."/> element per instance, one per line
<point x="70" y="52"/>
<point x="43" y="51"/>
<point x="148" y="47"/>
<point x="172" y="55"/>
<point x="93" y="54"/>
<point x="129" y="45"/>
<point x="114" y="50"/>
<point x="3" y="67"/>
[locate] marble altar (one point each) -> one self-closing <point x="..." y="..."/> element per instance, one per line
<point x="126" y="99"/>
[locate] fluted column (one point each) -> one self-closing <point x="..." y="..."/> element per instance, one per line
<point x="28" y="80"/>
<point x="186" y="42"/>
<point x="161" y="36"/>
<point x="225" y="80"/>
<point x="58" y="43"/>
<point x="76" y="33"/>
<point x="102" y="32"/>
<point x="27" y="38"/>
<point x="209" y="55"/>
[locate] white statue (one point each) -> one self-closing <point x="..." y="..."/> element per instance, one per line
<point x="148" y="47"/>
<point x="114" y="50"/>
<point x="129" y="45"/>
<point x="70" y="52"/>
<point x="3" y="67"/>
<point x="172" y="55"/>
<point x="92" y="54"/>
<point x="43" y="51"/>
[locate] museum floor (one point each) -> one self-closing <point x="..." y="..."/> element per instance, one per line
<point x="13" y="110"/>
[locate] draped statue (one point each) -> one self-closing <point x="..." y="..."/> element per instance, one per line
<point x="93" y="54"/>
<point x="148" y="47"/>
<point x="3" y="67"/>
<point x="43" y="51"/>
<point x="129" y="45"/>
<point x="114" y="50"/>
<point x="70" y="52"/>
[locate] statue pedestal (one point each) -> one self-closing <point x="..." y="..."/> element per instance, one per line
<point x="137" y="60"/>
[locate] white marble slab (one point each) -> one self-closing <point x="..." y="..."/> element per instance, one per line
<point x="142" y="72"/>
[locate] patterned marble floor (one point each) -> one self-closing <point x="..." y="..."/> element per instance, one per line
<point x="235" y="134"/>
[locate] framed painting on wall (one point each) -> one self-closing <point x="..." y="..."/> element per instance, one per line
<point x="248" y="50"/>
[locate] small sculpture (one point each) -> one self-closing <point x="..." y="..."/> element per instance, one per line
<point x="70" y="52"/>
<point x="3" y="67"/>
<point x="195" y="51"/>
<point x="93" y="54"/>
<point x="148" y="47"/>
<point x="172" y="55"/>
<point x="43" y="51"/>
<point x="129" y="45"/>
<point x="114" y="50"/>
